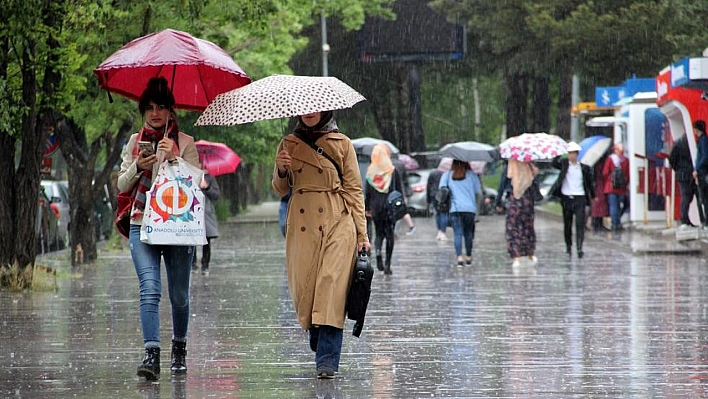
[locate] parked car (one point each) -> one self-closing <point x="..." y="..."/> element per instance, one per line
<point x="46" y="224"/>
<point x="58" y="194"/>
<point x="102" y="213"/>
<point x="418" y="201"/>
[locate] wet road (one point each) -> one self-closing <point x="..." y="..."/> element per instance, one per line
<point x="615" y="324"/>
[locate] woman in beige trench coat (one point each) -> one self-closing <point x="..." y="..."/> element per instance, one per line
<point x="325" y="228"/>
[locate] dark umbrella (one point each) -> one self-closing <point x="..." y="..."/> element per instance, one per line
<point x="198" y="70"/>
<point x="467" y="151"/>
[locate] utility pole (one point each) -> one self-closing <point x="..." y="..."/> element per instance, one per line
<point x="325" y="46"/>
<point x="575" y="100"/>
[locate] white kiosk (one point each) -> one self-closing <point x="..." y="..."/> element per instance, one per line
<point x="639" y="125"/>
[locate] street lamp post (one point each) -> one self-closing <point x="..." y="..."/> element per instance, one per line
<point x="325" y="46"/>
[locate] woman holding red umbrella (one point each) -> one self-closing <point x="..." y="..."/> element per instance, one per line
<point x="137" y="170"/>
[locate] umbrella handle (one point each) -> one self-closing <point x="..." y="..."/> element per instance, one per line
<point x="110" y="98"/>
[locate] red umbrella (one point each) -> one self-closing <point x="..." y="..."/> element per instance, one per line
<point x="217" y="158"/>
<point x="197" y="70"/>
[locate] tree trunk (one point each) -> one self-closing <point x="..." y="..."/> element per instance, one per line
<point x="416" y="140"/>
<point x="516" y="87"/>
<point x="541" y="104"/>
<point x="7" y="177"/>
<point x="84" y="188"/>
<point x="565" y="103"/>
<point x="27" y="178"/>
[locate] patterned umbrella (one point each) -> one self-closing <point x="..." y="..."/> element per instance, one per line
<point x="532" y="147"/>
<point x="197" y="70"/>
<point x="217" y="158"/>
<point x="279" y="96"/>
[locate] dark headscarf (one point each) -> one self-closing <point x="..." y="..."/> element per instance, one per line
<point x="326" y="124"/>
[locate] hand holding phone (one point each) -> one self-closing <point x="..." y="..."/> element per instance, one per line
<point x="146" y="148"/>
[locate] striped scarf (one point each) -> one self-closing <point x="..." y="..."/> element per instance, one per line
<point x="147" y="133"/>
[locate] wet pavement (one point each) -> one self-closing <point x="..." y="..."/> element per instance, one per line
<point x="618" y="323"/>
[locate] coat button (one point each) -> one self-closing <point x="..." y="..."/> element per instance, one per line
<point x="302" y="211"/>
<point x="299" y="191"/>
<point x="320" y="228"/>
<point x="320" y="170"/>
<point x="320" y="210"/>
<point x="299" y="170"/>
<point x="302" y="228"/>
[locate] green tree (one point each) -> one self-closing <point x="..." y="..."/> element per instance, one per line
<point x="48" y="51"/>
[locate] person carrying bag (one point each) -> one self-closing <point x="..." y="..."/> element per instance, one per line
<point x="140" y="168"/>
<point x="381" y="179"/>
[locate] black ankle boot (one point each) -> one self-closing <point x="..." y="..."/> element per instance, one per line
<point x="178" y="357"/>
<point x="150" y="369"/>
<point x="387" y="267"/>
<point x="379" y="262"/>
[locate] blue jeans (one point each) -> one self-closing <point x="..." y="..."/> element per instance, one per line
<point x="328" y="341"/>
<point x="615" y="211"/>
<point x="463" y="226"/>
<point x="178" y="262"/>
<point x="282" y="214"/>
<point x="441" y="220"/>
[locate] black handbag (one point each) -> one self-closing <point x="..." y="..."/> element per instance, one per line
<point x="359" y="292"/>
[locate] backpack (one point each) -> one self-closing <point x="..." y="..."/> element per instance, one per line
<point x="395" y="205"/>
<point x="617" y="178"/>
<point x="442" y="198"/>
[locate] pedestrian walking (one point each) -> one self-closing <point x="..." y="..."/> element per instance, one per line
<point x="381" y="178"/>
<point x="520" y="232"/>
<point x="212" y="192"/>
<point x="682" y="164"/>
<point x="701" y="170"/>
<point x="503" y="191"/>
<point x="326" y="229"/>
<point x="441" y="216"/>
<point x="574" y="188"/>
<point x="136" y="175"/>
<point x="614" y="188"/>
<point x="465" y="193"/>
<point x="406" y="190"/>
<point x="599" y="208"/>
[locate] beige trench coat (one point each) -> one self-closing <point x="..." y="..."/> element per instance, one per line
<point x="324" y="223"/>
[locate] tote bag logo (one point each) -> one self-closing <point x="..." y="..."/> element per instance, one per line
<point x="174" y="200"/>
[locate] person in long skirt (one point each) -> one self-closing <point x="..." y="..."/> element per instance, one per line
<point x="520" y="233"/>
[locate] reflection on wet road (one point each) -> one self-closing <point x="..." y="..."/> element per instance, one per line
<point x="612" y="325"/>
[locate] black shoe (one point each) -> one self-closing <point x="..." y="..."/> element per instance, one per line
<point x="150" y="368"/>
<point x="178" y="357"/>
<point x="379" y="263"/>
<point x="567" y="250"/>
<point x="324" y="372"/>
<point x="580" y="254"/>
<point x="387" y="268"/>
<point x="205" y="270"/>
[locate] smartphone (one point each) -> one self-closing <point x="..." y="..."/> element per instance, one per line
<point x="147" y="146"/>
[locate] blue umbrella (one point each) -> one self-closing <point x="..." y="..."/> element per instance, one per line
<point x="593" y="148"/>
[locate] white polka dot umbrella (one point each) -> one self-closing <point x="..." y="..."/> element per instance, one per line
<point x="279" y="96"/>
<point x="532" y="147"/>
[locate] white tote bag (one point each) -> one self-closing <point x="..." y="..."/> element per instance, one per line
<point x="174" y="207"/>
